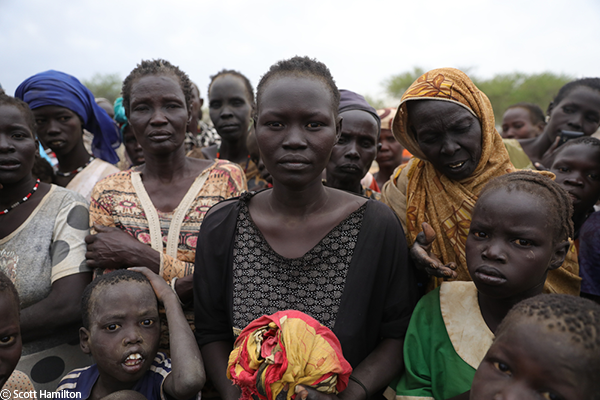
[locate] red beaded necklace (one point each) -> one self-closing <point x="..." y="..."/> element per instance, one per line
<point x="23" y="200"/>
<point x="76" y="171"/>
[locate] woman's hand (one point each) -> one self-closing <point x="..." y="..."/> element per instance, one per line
<point x="425" y="259"/>
<point x="306" y="392"/>
<point x="113" y="248"/>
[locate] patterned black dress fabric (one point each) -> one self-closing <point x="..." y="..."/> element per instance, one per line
<point x="371" y="268"/>
<point x="266" y="282"/>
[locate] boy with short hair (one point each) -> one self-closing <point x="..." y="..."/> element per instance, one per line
<point x="577" y="170"/>
<point x="121" y="331"/>
<point x="546" y="347"/>
<point x="10" y="339"/>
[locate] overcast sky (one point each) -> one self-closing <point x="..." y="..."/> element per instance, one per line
<point x="362" y="42"/>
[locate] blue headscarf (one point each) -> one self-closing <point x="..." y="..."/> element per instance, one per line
<point x="54" y="88"/>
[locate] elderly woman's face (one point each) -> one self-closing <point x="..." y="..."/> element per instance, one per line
<point x="448" y="134"/>
<point x="158" y="113"/>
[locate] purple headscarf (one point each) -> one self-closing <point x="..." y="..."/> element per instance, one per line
<point x="354" y="101"/>
<point x="54" y="88"/>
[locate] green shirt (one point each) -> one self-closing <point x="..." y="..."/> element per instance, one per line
<point x="445" y="342"/>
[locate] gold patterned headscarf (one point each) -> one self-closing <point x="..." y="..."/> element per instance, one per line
<point x="419" y="193"/>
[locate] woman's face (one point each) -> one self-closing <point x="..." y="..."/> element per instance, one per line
<point x="158" y="113"/>
<point x="296" y="129"/>
<point x="17" y="146"/>
<point x="229" y="107"/>
<point x="579" y="111"/>
<point x="516" y="124"/>
<point x="58" y="128"/>
<point x="448" y="134"/>
<point x="133" y="148"/>
<point x="390" y="153"/>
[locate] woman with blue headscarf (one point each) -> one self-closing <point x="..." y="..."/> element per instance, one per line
<point x="63" y="108"/>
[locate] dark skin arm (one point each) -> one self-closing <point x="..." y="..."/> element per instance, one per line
<point x="187" y="375"/>
<point x="216" y="356"/>
<point x="62" y="307"/>
<point x="114" y="248"/>
<point x="375" y="372"/>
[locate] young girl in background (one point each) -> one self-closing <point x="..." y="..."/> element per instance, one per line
<point x="546" y="348"/>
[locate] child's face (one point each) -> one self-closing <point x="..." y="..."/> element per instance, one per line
<point x="10" y="336"/>
<point x="296" y="129"/>
<point x="577" y="170"/>
<point x="124" y="330"/>
<point x="510" y="245"/>
<point x="528" y="361"/>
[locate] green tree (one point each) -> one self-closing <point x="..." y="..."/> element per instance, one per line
<point x="105" y="85"/>
<point x="396" y="85"/>
<point x="504" y="90"/>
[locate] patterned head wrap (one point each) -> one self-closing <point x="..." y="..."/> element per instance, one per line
<point x="354" y="101"/>
<point x="54" y="88"/>
<point x="419" y="193"/>
<point x="274" y="353"/>
<point x="387" y="117"/>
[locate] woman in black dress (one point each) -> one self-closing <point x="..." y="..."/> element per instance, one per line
<point x="333" y="255"/>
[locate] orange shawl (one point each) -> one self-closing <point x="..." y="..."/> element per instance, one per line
<point x="430" y="196"/>
<point x="418" y="193"/>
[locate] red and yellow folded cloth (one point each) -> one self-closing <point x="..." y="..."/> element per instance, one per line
<point x="274" y="353"/>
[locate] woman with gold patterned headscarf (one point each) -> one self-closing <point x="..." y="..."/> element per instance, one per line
<point x="447" y="123"/>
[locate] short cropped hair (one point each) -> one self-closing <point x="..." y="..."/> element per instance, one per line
<point x="111" y="278"/>
<point x="560" y="208"/>
<point x="586" y="140"/>
<point x="592" y="83"/>
<point x="247" y="84"/>
<point x="156" y="67"/>
<point x="574" y="317"/>
<point x="302" y="66"/>
<point x="536" y="115"/>
<point x="6" y="100"/>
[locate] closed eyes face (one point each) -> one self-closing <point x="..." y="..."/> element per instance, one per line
<point x="10" y="335"/>
<point x="577" y="170"/>
<point x="124" y="320"/>
<point x="510" y="245"/>
<point x="296" y="129"/>
<point x="525" y="362"/>
<point x="448" y="134"/>
<point x="578" y="111"/>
